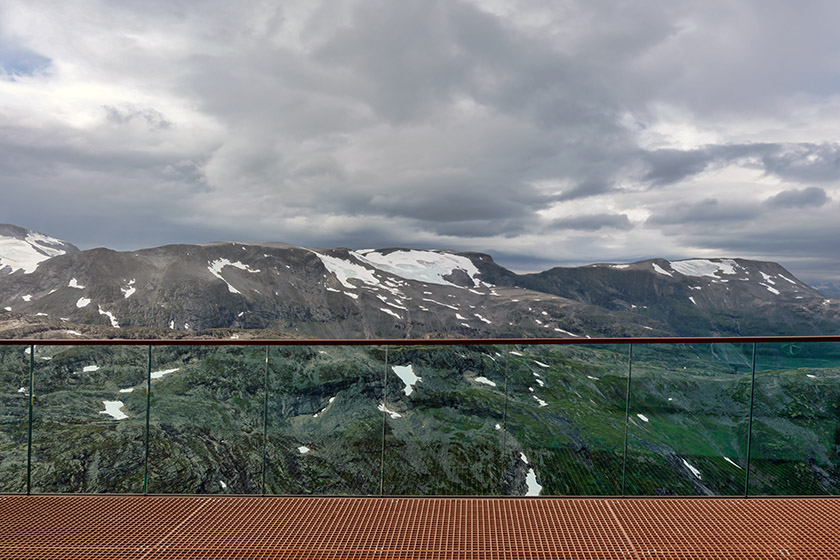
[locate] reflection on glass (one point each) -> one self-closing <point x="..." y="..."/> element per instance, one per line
<point x="324" y="427"/>
<point x="444" y="414"/>
<point x="565" y="420"/>
<point x="796" y="420"/>
<point x="688" y="419"/>
<point x="88" y="419"/>
<point x="14" y="417"/>
<point x="206" y="423"/>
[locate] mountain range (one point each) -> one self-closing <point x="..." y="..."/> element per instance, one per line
<point x="48" y="287"/>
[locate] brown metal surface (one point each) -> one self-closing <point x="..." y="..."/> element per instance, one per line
<point x="412" y="341"/>
<point x="187" y="527"/>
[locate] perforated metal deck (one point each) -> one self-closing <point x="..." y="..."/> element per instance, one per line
<point x="185" y="527"/>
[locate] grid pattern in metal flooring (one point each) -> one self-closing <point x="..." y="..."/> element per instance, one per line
<point x="204" y="527"/>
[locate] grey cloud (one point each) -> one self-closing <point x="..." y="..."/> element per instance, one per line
<point x="708" y="211"/>
<point x="154" y="119"/>
<point x="593" y="222"/>
<point x="812" y="196"/>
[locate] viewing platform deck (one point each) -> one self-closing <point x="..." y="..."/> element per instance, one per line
<point x="253" y="527"/>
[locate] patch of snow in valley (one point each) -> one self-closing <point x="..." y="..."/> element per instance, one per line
<point x="540" y="401"/>
<point x="389" y="312"/>
<point x="498" y="426"/>
<point x="810" y="375"/>
<point x="407" y="376"/>
<point x="23" y="390"/>
<point x="643" y="418"/>
<point x="27" y="297"/>
<point x="480" y="318"/>
<point x="660" y="270"/>
<point x="354" y="296"/>
<point x="695" y="287"/>
<point x="515" y="353"/>
<point x="567" y="332"/>
<point x="460" y="317"/>
<point x="534" y="488"/>
<point x="88" y="369"/>
<point x="161" y="373"/>
<point x="620" y="266"/>
<point x="333" y="290"/>
<point x="542" y="365"/>
<point x="129" y="390"/>
<point x="223" y="485"/>
<point x="383" y="408"/>
<point x="783" y="277"/>
<point x="75" y="284"/>
<point x="172" y="325"/>
<point x="303" y="450"/>
<point x="114" y="322"/>
<point x="7" y="308"/>
<point x="114" y="409"/>
<point x="595" y="378"/>
<point x="422" y="266"/>
<point x="692" y="300"/>
<point x="82" y="302"/>
<point x="733" y="462"/>
<point x="693" y="470"/>
<point x="482" y="379"/>
<point x="77" y="333"/>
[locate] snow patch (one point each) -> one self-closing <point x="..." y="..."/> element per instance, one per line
<point x="161" y="373"/>
<point x="82" y="302"/>
<point x="693" y="470"/>
<point x="567" y="332"/>
<point x="346" y="270"/>
<point x="439" y="303"/>
<point x="75" y="284"/>
<point x="114" y="409"/>
<point x="733" y="462"/>
<point x="540" y="401"/>
<point x="223" y="485"/>
<point x="389" y="312"/>
<point x="783" y="277"/>
<point x="534" y="488"/>
<point x="480" y="318"/>
<point x="620" y="266"/>
<point x="515" y="353"/>
<point x="383" y="408"/>
<point x="407" y="376"/>
<point x="767" y="278"/>
<point x="88" y="369"/>
<point x="703" y="267"/>
<point x="303" y="450"/>
<point x="129" y="390"/>
<point x="422" y="266"/>
<point x="216" y="267"/>
<point x="542" y="365"/>
<point x="660" y="270"/>
<point x="770" y="289"/>
<point x="482" y="379"/>
<point x="129" y="289"/>
<point x="114" y="322"/>
<point x="643" y="418"/>
<point x="692" y="300"/>
<point x="27" y="297"/>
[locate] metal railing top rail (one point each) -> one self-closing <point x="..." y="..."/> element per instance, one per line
<point x="409" y="341"/>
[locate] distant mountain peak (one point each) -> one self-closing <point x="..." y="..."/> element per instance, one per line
<point x="24" y="249"/>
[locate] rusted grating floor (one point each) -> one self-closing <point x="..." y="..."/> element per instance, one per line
<point x="186" y="527"/>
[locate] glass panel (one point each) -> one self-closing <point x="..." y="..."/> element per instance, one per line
<point x="324" y="429"/>
<point x="89" y="419"/>
<point x="14" y="417"/>
<point x="565" y="420"/>
<point x="206" y="425"/>
<point x="796" y="422"/>
<point x="689" y="414"/>
<point x="444" y="412"/>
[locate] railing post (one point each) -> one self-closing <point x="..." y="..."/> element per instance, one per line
<point x="504" y="419"/>
<point x="265" y="420"/>
<point x="29" y="428"/>
<point x="384" y="422"/>
<point x="749" y="426"/>
<point x="148" y="411"/>
<point x="626" y="420"/>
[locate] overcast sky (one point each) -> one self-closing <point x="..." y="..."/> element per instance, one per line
<point x="546" y="133"/>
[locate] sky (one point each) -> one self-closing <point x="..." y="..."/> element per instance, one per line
<point x="546" y="133"/>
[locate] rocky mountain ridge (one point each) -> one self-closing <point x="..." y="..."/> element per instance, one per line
<point x="400" y="293"/>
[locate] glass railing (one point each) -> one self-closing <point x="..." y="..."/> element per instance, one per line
<point x="559" y="417"/>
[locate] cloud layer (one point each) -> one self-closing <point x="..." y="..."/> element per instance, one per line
<point x="542" y="132"/>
